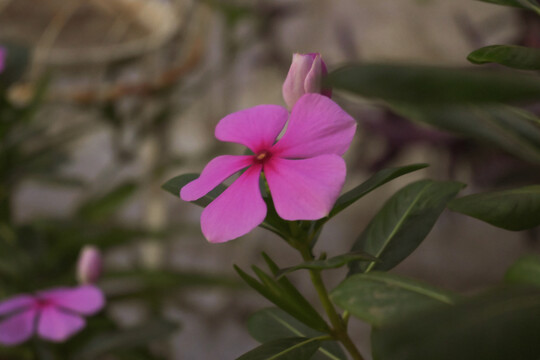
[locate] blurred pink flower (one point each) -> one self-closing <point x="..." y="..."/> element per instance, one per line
<point x="304" y="169"/>
<point x="3" y="55"/>
<point x="305" y="76"/>
<point x="89" y="265"/>
<point x="54" y="314"/>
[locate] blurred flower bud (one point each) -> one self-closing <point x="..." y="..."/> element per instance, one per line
<point x="3" y="55"/>
<point x="89" y="265"/>
<point x="305" y="76"/>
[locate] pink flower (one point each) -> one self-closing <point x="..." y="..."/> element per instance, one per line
<point x="54" y="314"/>
<point x="3" y="55"/>
<point x="305" y="76"/>
<point x="89" y="265"/>
<point x="304" y="169"/>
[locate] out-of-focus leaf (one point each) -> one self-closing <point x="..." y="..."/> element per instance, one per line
<point x="104" y="344"/>
<point x="283" y="294"/>
<point x="107" y="204"/>
<point x="525" y="271"/>
<point x="513" y="56"/>
<point x="58" y="180"/>
<point x="381" y="298"/>
<point x="378" y="179"/>
<point x="232" y="11"/>
<point x="434" y="85"/>
<point x="524" y="4"/>
<point x="331" y="263"/>
<point x="273" y="324"/>
<point x="297" y="348"/>
<point x="137" y="283"/>
<point x="513" y="130"/>
<point x="16" y="62"/>
<point x="499" y="325"/>
<point x="516" y="209"/>
<point x="403" y="223"/>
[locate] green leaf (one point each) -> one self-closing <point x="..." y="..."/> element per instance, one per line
<point x="297" y="348"/>
<point x="107" y="343"/>
<point x="272" y="221"/>
<point x="147" y="283"/>
<point x="381" y="298"/>
<point x="516" y="209"/>
<point x="403" y="223"/>
<point x="175" y="184"/>
<point x="107" y="204"/>
<point x="378" y="179"/>
<point x="525" y="271"/>
<point x="283" y="294"/>
<point x="513" y="56"/>
<point x="16" y="62"/>
<point x="513" y="130"/>
<point x="273" y="324"/>
<point x="499" y="325"/>
<point x="524" y="4"/>
<point x="332" y="263"/>
<point x="434" y="85"/>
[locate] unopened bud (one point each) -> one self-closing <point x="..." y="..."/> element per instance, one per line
<point x="89" y="265"/>
<point x="305" y="76"/>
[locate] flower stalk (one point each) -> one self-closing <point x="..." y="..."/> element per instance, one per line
<point x="339" y="325"/>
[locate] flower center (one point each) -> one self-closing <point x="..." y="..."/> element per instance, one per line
<point x="43" y="303"/>
<point x="262" y="156"/>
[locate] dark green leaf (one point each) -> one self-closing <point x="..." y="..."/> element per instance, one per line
<point x="525" y="271"/>
<point x="283" y="294"/>
<point x="295" y="302"/>
<point x="511" y="129"/>
<point x="16" y="62"/>
<point x="513" y="56"/>
<point x="273" y="324"/>
<point x="107" y="204"/>
<point x="381" y="298"/>
<point x="378" y="179"/>
<point x="297" y="348"/>
<point x="495" y="326"/>
<point x="175" y="184"/>
<point x="142" y="282"/>
<point x="104" y="344"/>
<point x="429" y="84"/>
<point x="525" y="4"/>
<point x="403" y="223"/>
<point x="272" y="221"/>
<point x="517" y="209"/>
<point x="332" y="263"/>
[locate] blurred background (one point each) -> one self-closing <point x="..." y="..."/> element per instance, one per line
<point x="108" y="99"/>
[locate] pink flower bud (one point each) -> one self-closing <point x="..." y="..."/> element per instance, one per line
<point x="305" y="76"/>
<point x="3" y="55"/>
<point x="89" y="265"/>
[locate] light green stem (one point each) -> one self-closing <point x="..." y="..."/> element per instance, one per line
<point x="339" y="327"/>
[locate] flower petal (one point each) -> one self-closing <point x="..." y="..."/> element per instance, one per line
<point x="214" y="173"/>
<point x="86" y="299"/>
<point x="17" y="328"/>
<point x="317" y="126"/>
<point x="305" y="189"/>
<point x="256" y="127"/>
<point x="56" y="325"/>
<point x="313" y="82"/>
<point x="237" y="211"/>
<point x="16" y="303"/>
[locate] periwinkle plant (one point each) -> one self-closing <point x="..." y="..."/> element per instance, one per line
<point x="303" y="173"/>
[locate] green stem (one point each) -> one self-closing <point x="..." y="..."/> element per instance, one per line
<point x="339" y="327"/>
